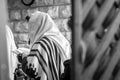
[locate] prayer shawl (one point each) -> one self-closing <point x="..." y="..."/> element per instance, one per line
<point x="12" y="58"/>
<point x="49" y="48"/>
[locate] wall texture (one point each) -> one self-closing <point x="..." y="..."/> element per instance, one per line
<point x="59" y="10"/>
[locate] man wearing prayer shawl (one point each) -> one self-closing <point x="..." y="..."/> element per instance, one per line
<point x="12" y="58"/>
<point x="13" y="52"/>
<point x="49" y="49"/>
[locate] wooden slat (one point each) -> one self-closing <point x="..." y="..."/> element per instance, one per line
<point x="118" y="76"/>
<point x="87" y="7"/>
<point x="103" y="46"/>
<point x="113" y="62"/>
<point x="103" y="13"/>
<point x="76" y="37"/>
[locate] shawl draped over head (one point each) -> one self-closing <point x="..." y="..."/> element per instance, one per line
<point x="12" y="58"/>
<point x="43" y="30"/>
<point x="40" y="25"/>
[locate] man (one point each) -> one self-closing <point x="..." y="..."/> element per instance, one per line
<point x="12" y="58"/>
<point x="13" y="52"/>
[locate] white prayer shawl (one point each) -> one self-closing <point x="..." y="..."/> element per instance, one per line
<point x="12" y="58"/>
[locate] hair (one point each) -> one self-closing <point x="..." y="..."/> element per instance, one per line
<point x="70" y="22"/>
<point x="27" y="18"/>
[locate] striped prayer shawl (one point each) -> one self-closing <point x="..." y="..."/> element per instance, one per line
<point x="49" y="57"/>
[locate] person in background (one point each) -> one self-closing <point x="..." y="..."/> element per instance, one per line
<point x="13" y="52"/>
<point x="12" y="58"/>
<point x="49" y="49"/>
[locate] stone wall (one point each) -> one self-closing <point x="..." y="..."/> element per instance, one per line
<point x="59" y="10"/>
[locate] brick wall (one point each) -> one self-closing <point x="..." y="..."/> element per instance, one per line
<point x="59" y="10"/>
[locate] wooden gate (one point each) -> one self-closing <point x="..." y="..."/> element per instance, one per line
<point x="96" y="24"/>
